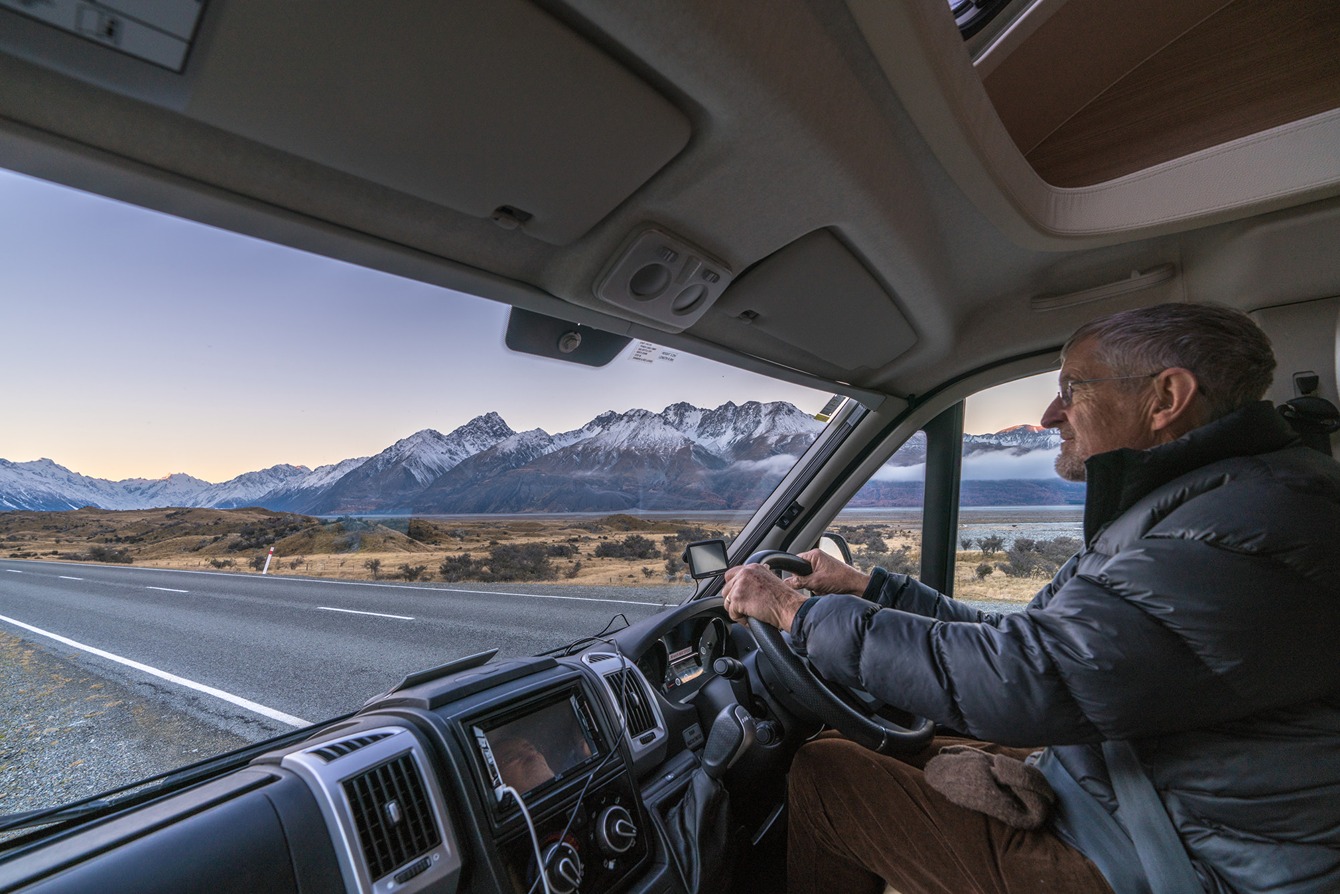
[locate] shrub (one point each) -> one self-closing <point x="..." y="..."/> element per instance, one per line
<point x="412" y="572"/>
<point x="99" y="553"/>
<point x="674" y="565"/>
<point x="257" y="562"/>
<point x="519" y="561"/>
<point x="462" y="567"/>
<point x="983" y="570"/>
<point x="373" y="565"/>
<point x="991" y="545"/>
<point x="634" y="546"/>
<point x="897" y="560"/>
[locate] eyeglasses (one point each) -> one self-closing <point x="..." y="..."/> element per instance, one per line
<point x="1067" y="393"/>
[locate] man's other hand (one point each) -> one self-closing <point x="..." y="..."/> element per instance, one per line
<point x="830" y="575"/>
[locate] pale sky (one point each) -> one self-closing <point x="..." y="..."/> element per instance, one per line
<point x="138" y="344"/>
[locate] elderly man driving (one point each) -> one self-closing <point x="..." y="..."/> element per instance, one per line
<point x="1182" y="665"/>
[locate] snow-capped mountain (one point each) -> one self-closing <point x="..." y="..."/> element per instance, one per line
<point x="1019" y="438"/>
<point x="307" y="489"/>
<point x="177" y="489"/>
<point x="44" y="485"/>
<point x="246" y="489"/>
<point x="390" y="480"/>
<point x="683" y="457"/>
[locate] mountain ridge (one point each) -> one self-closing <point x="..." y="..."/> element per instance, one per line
<point x="682" y="458"/>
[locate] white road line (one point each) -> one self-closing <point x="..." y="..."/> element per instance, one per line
<point x="13" y="571"/>
<point x="67" y="577"/>
<point x="350" y="611"/>
<point x="237" y="700"/>
<point x="167" y="589"/>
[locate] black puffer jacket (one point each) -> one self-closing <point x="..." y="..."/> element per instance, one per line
<point x="1201" y="620"/>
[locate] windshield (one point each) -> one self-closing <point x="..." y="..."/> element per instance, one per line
<point x="244" y="488"/>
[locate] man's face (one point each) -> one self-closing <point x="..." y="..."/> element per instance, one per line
<point x="1102" y="416"/>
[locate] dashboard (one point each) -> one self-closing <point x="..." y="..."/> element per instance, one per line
<point x="468" y="778"/>
<point x="682" y="656"/>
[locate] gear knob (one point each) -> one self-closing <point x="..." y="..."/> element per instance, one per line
<point x="733" y="732"/>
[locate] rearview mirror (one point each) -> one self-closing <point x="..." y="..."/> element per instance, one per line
<point x="532" y="333"/>
<point x="706" y="558"/>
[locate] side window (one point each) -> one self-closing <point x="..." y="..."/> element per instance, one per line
<point x="1018" y="521"/>
<point x="882" y="524"/>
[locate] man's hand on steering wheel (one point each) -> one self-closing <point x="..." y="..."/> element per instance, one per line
<point x="830" y="575"/>
<point x="754" y="591"/>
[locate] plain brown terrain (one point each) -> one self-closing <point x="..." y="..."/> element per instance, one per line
<point x="578" y="550"/>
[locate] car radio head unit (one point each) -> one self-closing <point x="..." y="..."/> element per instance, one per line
<point x="545" y="742"/>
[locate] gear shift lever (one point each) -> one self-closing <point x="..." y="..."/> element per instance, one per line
<point x="733" y="732"/>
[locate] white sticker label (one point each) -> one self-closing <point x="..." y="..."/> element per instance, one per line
<point x="646" y="352"/>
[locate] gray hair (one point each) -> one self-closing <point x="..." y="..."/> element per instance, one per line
<point x="1225" y="349"/>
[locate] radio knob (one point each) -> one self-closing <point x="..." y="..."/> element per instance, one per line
<point x="563" y="865"/>
<point x="615" y="831"/>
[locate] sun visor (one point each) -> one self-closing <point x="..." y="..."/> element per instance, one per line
<point x="813" y="293"/>
<point x="489" y="107"/>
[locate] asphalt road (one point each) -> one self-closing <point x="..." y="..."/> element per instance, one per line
<point x="300" y="649"/>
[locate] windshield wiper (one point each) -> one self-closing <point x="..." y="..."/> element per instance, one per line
<point x="621" y="619"/>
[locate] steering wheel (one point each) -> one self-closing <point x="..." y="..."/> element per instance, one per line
<point x="872" y="731"/>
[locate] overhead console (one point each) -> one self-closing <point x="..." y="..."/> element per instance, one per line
<point x="484" y="128"/>
<point x="770" y="310"/>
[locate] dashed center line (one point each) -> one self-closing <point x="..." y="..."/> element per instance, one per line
<point x="350" y="611"/>
<point x="13" y="571"/>
<point x="67" y="577"/>
<point x="167" y="589"/>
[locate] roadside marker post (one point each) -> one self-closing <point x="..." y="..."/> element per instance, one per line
<point x="268" y="556"/>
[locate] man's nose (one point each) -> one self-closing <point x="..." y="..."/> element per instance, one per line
<point x="1054" y="415"/>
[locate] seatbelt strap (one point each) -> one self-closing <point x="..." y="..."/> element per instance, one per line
<point x="1166" y="864"/>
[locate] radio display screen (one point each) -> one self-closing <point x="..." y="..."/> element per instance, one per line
<point x="543" y="745"/>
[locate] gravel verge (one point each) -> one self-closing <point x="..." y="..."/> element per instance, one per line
<point x="69" y="732"/>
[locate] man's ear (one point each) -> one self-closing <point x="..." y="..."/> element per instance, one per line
<point x="1177" y="407"/>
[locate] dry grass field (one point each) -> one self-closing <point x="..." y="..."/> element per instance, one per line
<point x="618" y="550"/>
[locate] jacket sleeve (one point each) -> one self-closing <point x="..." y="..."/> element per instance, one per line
<point x="907" y="594"/>
<point x="1173" y="634"/>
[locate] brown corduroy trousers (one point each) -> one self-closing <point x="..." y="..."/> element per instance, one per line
<point x="860" y="821"/>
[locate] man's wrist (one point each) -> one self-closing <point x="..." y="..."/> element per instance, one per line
<point x="874" y="586"/>
<point x="798" y="616"/>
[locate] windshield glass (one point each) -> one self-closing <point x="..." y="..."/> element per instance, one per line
<point x="244" y="488"/>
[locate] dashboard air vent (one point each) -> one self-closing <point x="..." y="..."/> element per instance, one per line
<point x="339" y="749"/>
<point x="391" y="815"/>
<point x="632" y="700"/>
